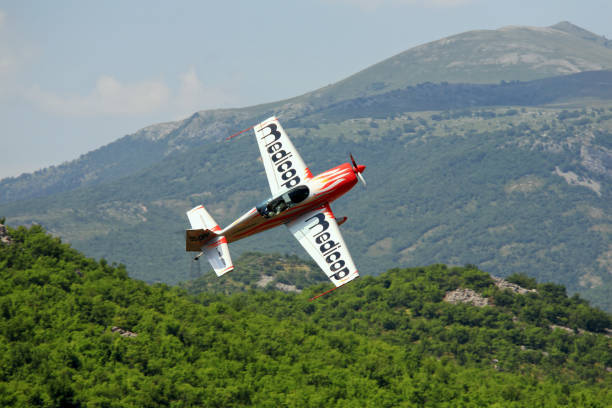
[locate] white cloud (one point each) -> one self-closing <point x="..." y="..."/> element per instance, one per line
<point x="7" y="63"/>
<point x="9" y="59"/>
<point x="191" y="92"/>
<point x="114" y="98"/>
<point x="193" y="95"/>
<point x="109" y="97"/>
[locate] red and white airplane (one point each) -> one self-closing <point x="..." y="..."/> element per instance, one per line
<point x="299" y="200"/>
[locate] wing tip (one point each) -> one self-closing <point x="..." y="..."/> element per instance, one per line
<point x="334" y="288"/>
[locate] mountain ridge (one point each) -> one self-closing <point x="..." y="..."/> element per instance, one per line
<point x="506" y="54"/>
<point x="570" y="28"/>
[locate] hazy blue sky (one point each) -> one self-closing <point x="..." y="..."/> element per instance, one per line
<point x="76" y="75"/>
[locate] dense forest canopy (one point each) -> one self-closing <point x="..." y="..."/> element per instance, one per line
<point x="78" y="332"/>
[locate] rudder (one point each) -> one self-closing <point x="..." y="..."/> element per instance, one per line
<point x="217" y="253"/>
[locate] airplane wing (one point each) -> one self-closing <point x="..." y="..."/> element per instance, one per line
<point x="319" y="234"/>
<point x="284" y="166"/>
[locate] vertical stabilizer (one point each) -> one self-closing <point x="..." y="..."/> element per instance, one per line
<point x="199" y="218"/>
<point x="215" y="249"/>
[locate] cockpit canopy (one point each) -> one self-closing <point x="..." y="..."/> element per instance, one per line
<point x="276" y="205"/>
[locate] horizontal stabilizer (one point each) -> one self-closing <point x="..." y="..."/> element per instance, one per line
<point x="199" y="218"/>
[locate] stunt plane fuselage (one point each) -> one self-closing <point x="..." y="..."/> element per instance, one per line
<point x="278" y="210"/>
<point x="299" y="200"/>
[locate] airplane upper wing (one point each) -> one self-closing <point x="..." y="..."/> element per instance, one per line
<point x="319" y="234"/>
<point x="284" y="166"/>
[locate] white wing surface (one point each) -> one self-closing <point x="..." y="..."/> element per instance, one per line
<point x="284" y="166"/>
<point x="319" y="234"/>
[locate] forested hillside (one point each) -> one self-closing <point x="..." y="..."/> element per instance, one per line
<point x="571" y="89"/>
<point x="78" y="332"/>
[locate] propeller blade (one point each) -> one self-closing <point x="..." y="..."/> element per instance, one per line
<point x="353" y="160"/>
<point x="358" y="170"/>
<point x="362" y="179"/>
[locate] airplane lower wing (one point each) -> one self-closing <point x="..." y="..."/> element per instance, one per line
<point x="320" y="236"/>
<point x="284" y="166"/>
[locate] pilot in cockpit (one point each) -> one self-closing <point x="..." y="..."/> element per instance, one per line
<point x="277" y="205"/>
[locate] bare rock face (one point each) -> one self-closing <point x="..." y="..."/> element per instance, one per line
<point x="287" y="288"/>
<point x="265" y="279"/>
<point x="462" y="295"/>
<point x="504" y="284"/>
<point x="4" y="236"/>
<point x="466" y="296"/>
<point x="122" y="332"/>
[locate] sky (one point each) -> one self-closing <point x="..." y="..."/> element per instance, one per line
<point x="77" y="75"/>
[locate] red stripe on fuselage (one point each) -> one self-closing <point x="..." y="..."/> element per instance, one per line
<point x="294" y="212"/>
<point x="221" y="241"/>
<point x="257" y="223"/>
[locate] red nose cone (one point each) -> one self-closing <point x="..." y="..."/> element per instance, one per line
<point x="360" y="168"/>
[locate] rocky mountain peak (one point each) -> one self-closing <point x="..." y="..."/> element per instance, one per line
<point x="580" y="32"/>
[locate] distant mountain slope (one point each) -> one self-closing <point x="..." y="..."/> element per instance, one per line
<point x="484" y="56"/>
<point x="125" y="156"/>
<point x="509" y="189"/>
<point x="578" y="88"/>
<point x="153" y="144"/>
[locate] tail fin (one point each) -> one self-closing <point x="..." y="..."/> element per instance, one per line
<point x="205" y="237"/>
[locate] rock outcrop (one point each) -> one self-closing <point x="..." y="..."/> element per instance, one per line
<point x="504" y="284"/>
<point x="466" y="296"/>
<point x="122" y="332"/>
<point x="4" y="236"/>
<point x="463" y="295"/>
